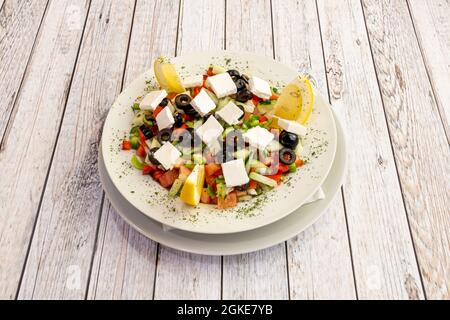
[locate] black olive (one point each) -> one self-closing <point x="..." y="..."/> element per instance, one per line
<point x="234" y="73"/>
<point x="244" y="95"/>
<point x="243" y="187"/>
<point x="164" y="135"/>
<point x="146" y="132"/>
<point x="240" y="84"/>
<point x="183" y="101"/>
<point x="190" y="111"/>
<point x="178" y="119"/>
<point x="164" y="102"/>
<point x="287" y="156"/>
<point x="151" y="157"/>
<point x="288" y="139"/>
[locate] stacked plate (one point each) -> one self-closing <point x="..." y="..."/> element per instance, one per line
<point x="253" y="225"/>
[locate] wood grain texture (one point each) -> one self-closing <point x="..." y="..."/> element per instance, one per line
<point x="384" y="263"/>
<point x="28" y="147"/>
<point x="319" y="259"/>
<point x="124" y="262"/>
<point x="432" y="26"/>
<point x="420" y="146"/>
<point x="261" y="274"/>
<point x="19" y="25"/>
<point x="63" y="243"/>
<point x="182" y="275"/>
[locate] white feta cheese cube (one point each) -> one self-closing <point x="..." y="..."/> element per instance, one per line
<point x="165" y="119"/>
<point x="260" y="88"/>
<point x="230" y="113"/>
<point x="167" y="155"/>
<point x="193" y="81"/>
<point x="292" y="126"/>
<point x="202" y="103"/>
<point x="259" y="137"/>
<point x="234" y="173"/>
<point x="210" y="130"/>
<point x="152" y="100"/>
<point x="222" y="85"/>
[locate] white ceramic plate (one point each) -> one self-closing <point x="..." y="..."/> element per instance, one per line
<point x="235" y="243"/>
<point x="151" y="199"/>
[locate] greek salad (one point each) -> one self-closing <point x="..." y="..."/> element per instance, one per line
<point x="220" y="137"/>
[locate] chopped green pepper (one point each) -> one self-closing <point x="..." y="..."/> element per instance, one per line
<point x="210" y="191"/>
<point x="292" y="167"/>
<point x="134" y="141"/>
<point x="136" y="107"/>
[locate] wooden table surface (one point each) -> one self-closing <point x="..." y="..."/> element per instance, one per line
<point x="385" y="66"/>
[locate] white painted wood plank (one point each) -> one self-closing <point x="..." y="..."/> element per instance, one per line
<point x="432" y="25"/>
<point x="263" y="274"/>
<point x="124" y="262"/>
<point x="64" y="239"/>
<point x="28" y="146"/>
<point x="19" y="25"/>
<point x="182" y="275"/>
<point x="319" y="260"/>
<point x="420" y="146"/>
<point x="383" y="256"/>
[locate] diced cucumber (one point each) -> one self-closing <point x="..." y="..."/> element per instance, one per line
<point x="292" y="167"/>
<point x="210" y="191"/>
<point x="257" y="164"/>
<point x="223" y="102"/>
<point x="137" y="163"/>
<point x="262" y="179"/>
<point x="134" y="132"/>
<point x="212" y="96"/>
<point x="245" y="198"/>
<point x="241" y="154"/>
<point x="252" y="192"/>
<point x="218" y="69"/>
<point x="138" y="119"/>
<point x="265" y="188"/>
<point x="189" y="164"/>
<point x="221" y="190"/>
<point x="198" y="158"/>
<point x="134" y="141"/>
<point x="155" y="144"/>
<point x="176" y="187"/>
<point x="248" y="163"/>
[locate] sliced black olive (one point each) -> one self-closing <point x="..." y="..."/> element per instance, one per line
<point x="288" y="139"/>
<point x="240" y="84"/>
<point x="151" y="156"/>
<point x="190" y="111"/>
<point x="164" y="102"/>
<point x="178" y="119"/>
<point x="233" y="73"/>
<point x="164" y="135"/>
<point x="243" y="187"/>
<point x="244" y="95"/>
<point x="287" y="156"/>
<point x="183" y="101"/>
<point x="146" y="131"/>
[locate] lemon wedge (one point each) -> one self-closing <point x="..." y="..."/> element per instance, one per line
<point x="167" y="76"/>
<point x="296" y="101"/>
<point x="193" y="186"/>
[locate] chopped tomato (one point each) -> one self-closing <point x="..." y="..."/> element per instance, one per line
<point x="168" y="178"/>
<point x="210" y="72"/>
<point x="274" y="96"/>
<point x="255" y="100"/>
<point x="252" y="184"/>
<point x="126" y="145"/>
<point x="172" y="95"/>
<point x="298" y="163"/>
<point x="196" y="91"/>
<point x="276" y="177"/>
<point x="262" y="119"/>
<point x="148" y="169"/>
<point x="157" y="174"/>
<point x="157" y="110"/>
<point x="282" y="168"/>
<point x="212" y="168"/>
<point x="186" y="117"/>
<point x="229" y="201"/>
<point x="205" y="197"/>
<point x="141" y="136"/>
<point x="184" y="126"/>
<point x="140" y="152"/>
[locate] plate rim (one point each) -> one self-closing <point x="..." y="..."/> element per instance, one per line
<point x="281" y="236"/>
<point x="260" y="224"/>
